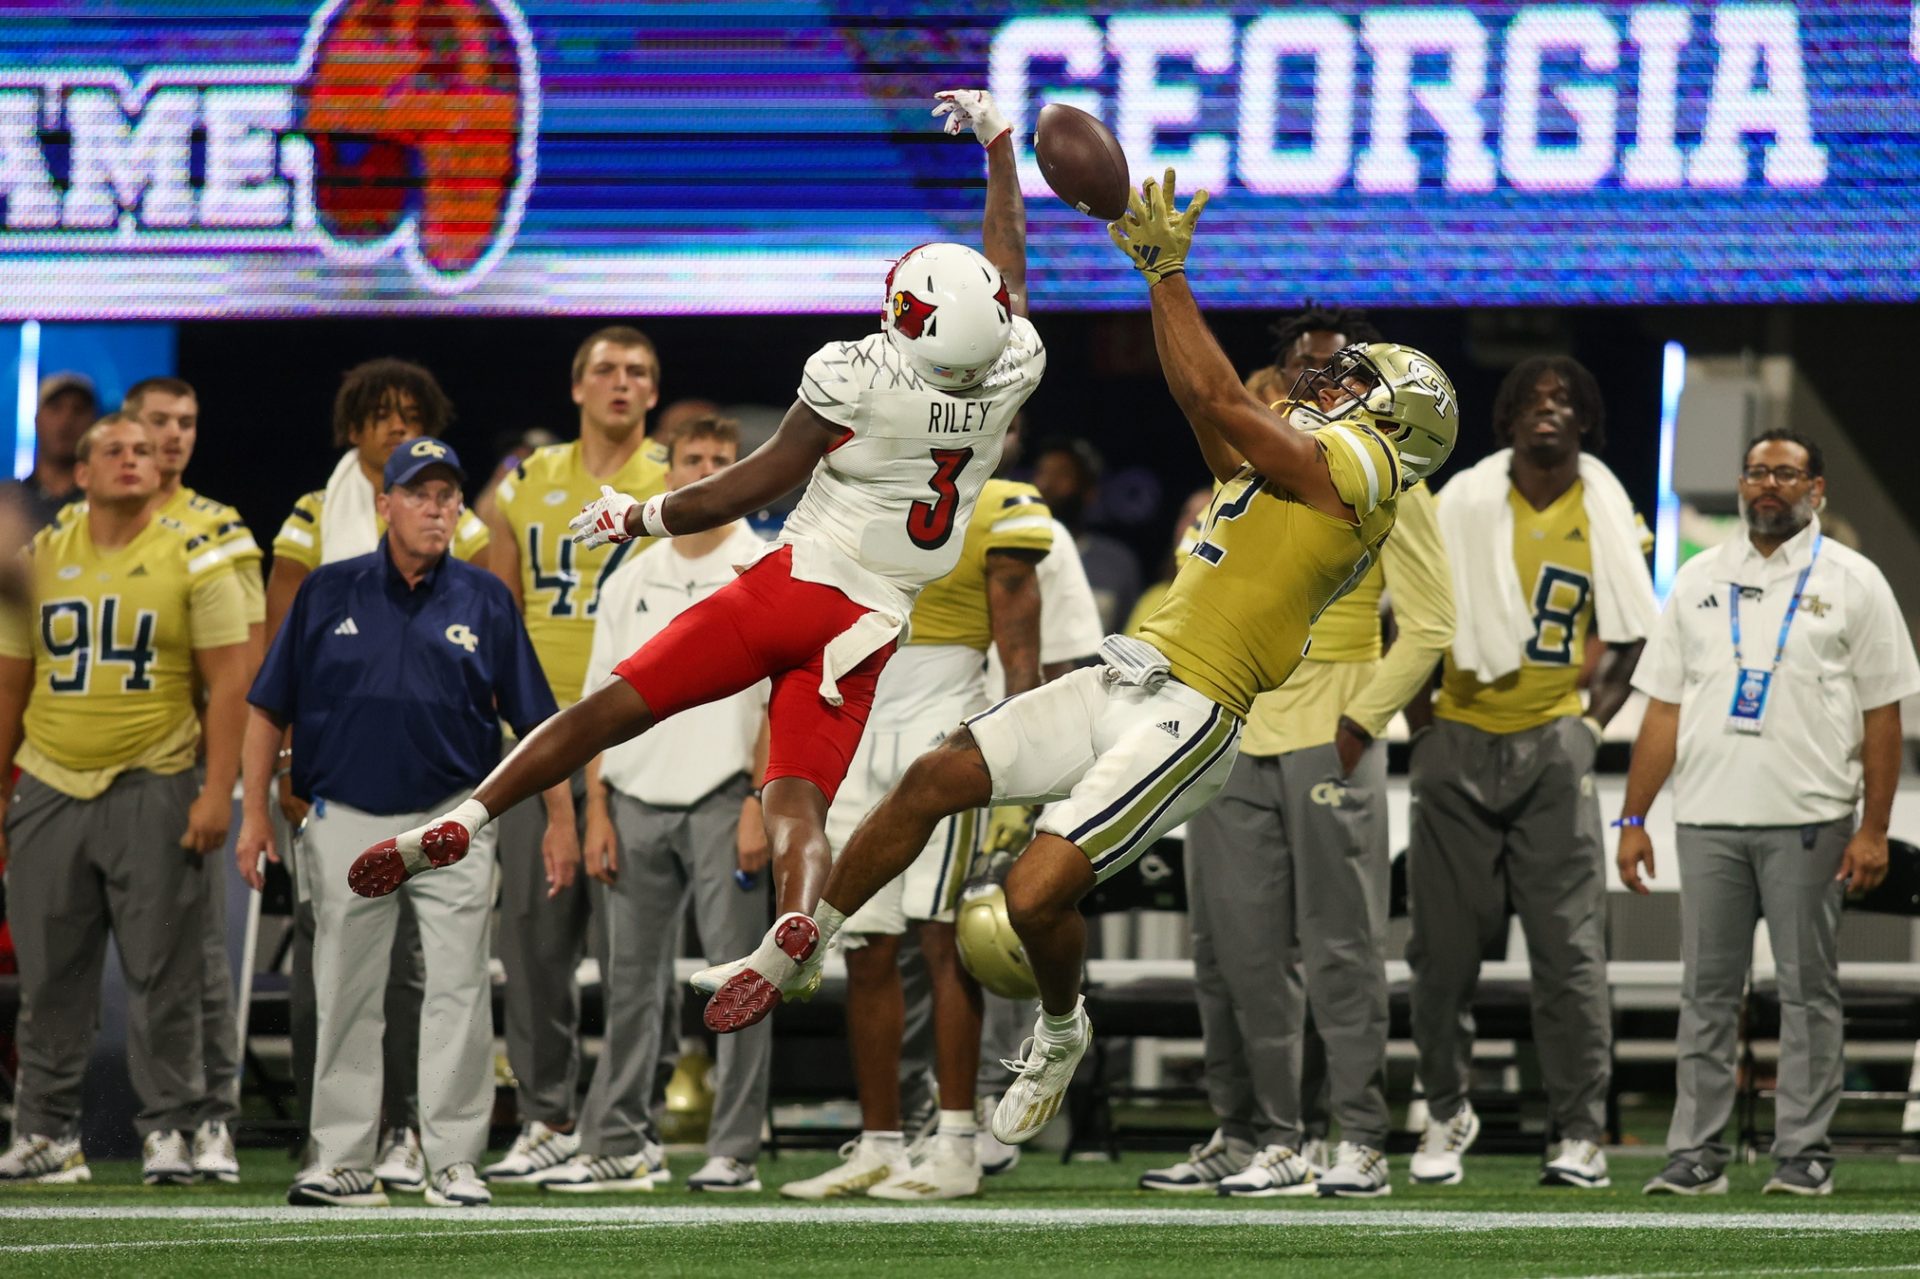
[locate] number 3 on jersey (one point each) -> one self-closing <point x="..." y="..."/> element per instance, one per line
<point x="930" y="524"/>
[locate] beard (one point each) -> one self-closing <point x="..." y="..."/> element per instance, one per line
<point x="1782" y="523"/>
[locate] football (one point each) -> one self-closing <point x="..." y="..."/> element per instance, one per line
<point x="1082" y="161"/>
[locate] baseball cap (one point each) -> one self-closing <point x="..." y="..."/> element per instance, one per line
<point x="406" y="462"/>
<point x="59" y="383"/>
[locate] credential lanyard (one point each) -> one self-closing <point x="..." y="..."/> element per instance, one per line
<point x="1786" y="623"/>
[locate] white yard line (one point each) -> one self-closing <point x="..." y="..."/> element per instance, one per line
<point x="196" y="1241"/>
<point x="1883" y="1269"/>
<point x="986" y="1215"/>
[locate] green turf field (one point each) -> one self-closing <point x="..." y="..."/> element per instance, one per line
<point x="1044" y="1218"/>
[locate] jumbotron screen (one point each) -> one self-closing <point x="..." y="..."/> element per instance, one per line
<point x="219" y="159"/>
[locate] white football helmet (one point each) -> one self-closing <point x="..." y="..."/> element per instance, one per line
<point x="948" y="313"/>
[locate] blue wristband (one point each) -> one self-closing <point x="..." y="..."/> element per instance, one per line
<point x="1618" y="822"/>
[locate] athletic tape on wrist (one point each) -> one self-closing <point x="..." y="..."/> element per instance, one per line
<point x="650" y="516"/>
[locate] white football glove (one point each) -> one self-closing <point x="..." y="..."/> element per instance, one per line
<point x="603" y="521"/>
<point x="972" y="109"/>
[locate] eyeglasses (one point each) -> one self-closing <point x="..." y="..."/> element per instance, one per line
<point x="1781" y="475"/>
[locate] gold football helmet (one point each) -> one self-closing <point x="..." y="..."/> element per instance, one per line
<point x="989" y="947"/>
<point x="1407" y="396"/>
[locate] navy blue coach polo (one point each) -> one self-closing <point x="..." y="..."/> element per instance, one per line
<point x="396" y="693"/>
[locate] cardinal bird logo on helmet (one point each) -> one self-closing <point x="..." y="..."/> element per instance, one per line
<point x="910" y="314"/>
<point x="1005" y="301"/>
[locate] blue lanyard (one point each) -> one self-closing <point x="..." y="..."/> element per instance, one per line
<point x="1786" y="623"/>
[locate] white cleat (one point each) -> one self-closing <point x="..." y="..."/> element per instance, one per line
<point x="949" y="1169"/>
<point x="609" y="1174"/>
<point x="1202" y="1171"/>
<point x="401" y="1167"/>
<point x="458" y="1187"/>
<point x="537" y="1150"/>
<point x="337" y="1188"/>
<point x="166" y="1159"/>
<point x="1046" y="1069"/>
<point x="1437" y="1161"/>
<point x="213" y="1154"/>
<point x="1357" y="1172"/>
<point x="868" y="1162"/>
<point x="724" y="1174"/>
<point x="1580" y="1164"/>
<point x="44" y="1161"/>
<point x="1275" y="1170"/>
<point x="996" y="1156"/>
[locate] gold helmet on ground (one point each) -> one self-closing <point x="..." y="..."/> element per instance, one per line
<point x="1406" y="394"/>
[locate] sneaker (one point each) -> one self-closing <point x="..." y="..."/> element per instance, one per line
<point x="336" y="1188"/>
<point x="725" y="1174"/>
<point x="867" y="1163"/>
<point x="1437" y="1161"/>
<point x="536" y="1150"/>
<point x="44" y="1161"/>
<point x="1204" y="1168"/>
<point x="1357" y="1172"/>
<point x="1686" y="1177"/>
<point x="995" y="1155"/>
<point x="401" y="1166"/>
<point x="950" y="1169"/>
<point x="1802" y="1176"/>
<point x="392" y="862"/>
<point x="586" y="1174"/>
<point x="1274" y="1170"/>
<point x="213" y="1155"/>
<point x="1318" y="1154"/>
<point x="166" y="1159"/>
<point x="787" y="965"/>
<point x="1580" y="1164"/>
<point x="1045" y="1071"/>
<point x="458" y="1187"/>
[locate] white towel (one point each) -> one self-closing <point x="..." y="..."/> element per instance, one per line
<point x="1495" y="619"/>
<point x="348" y="524"/>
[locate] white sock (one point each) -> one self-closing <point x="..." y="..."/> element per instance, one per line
<point x="957" y="1123"/>
<point x="895" y="1140"/>
<point x="829" y="921"/>
<point x="471" y="814"/>
<point x="1063" y="1029"/>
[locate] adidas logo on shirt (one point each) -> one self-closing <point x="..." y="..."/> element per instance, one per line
<point x="139" y="570"/>
<point x="1576" y="536"/>
<point x="1171" y="727"/>
<point x="1712" y="601"/>
<point x="346" y="628"/>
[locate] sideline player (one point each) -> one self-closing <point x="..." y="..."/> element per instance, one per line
<point x="899" y="431"/>
<point x="1132" y="748"/>
<point x="543" y="930"/>
<point x="939" y="677"/>
<point x="170" y="409"/>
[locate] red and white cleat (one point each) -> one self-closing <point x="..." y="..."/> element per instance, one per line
<point x="779" y="969"/>
<point x="392" y="862"/>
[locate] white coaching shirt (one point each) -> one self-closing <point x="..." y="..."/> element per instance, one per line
<point x="1848" y="652"/>
<point x="680" y="761"/>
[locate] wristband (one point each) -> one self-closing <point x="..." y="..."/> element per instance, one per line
<point x="651" y="523"/>
<point x="1595" y="727"/>
<point x="1618" y="822"/>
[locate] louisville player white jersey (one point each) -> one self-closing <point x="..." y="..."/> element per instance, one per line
<point x="897" y="492"/>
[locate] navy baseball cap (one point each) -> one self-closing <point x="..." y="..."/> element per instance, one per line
<point x="415" y="456"/>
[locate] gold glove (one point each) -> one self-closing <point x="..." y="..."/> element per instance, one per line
<point x="1152" y="233"/>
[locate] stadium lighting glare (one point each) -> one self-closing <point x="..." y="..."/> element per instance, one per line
<point x="1666" y="526"/>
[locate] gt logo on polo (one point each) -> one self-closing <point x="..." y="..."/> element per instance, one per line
<point x="1327" y="794"/>
<point x="427" y="448"/>
<point x="401" y="129"/>
<point x="460" y="633"/>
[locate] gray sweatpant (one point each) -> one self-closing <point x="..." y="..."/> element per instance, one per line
<point x="1292" y="859"/>
<point x="353" y="943"/>
<point x="1730" y="878"/>
<point x="542" y="941"/>
<point x="77" y="869"/>
<point x="1505" y="819"/>
<point x="666" y="857"/>
<point x="219" y="1034"/>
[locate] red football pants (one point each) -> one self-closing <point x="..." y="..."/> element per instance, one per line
<point x="765" y="624"/>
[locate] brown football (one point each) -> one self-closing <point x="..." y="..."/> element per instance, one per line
<point x="1082" y="161"/>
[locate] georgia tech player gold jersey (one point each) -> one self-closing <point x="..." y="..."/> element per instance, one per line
<point x="299" y="537"/>
<point x="1553" y="556"/>
<point x="559" y="581"/>
<point x="1009" y="516"/>
<point x="230" y="537"/>
<point x="111" y="635"/>
<point x="1236" y="619"/>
